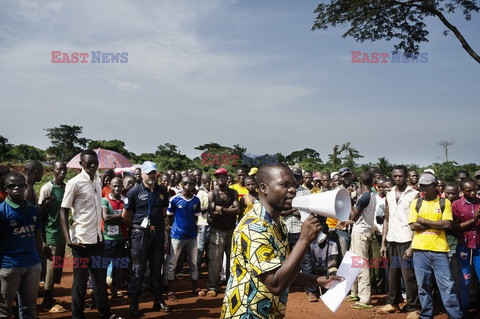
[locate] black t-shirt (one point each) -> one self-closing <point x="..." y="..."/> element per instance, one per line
<point x="140" y="199"/>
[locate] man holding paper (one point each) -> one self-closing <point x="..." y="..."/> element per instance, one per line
<point x="261" y="258"/>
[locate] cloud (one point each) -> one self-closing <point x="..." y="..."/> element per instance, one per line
<point x="125" y="86"/>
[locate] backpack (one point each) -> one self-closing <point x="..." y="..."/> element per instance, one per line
<point x="420" y="201"/>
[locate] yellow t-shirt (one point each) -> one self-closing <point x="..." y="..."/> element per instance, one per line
<point x="431" y="239"/>
<point x="241" y="190"/>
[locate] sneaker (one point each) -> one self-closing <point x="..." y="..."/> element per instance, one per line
<point x="388" y="309"/>
<point x="413" y="314"/>
<point x="211" y="293"/>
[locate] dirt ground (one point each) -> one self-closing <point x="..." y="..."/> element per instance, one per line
<point x="190" y="307"/>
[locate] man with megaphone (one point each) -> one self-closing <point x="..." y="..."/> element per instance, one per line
<point x="261" y="259"/>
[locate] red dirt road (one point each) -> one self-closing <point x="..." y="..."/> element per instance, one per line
<point x="190" y="307"/>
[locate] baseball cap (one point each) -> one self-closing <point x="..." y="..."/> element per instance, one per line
<point x="220" y="171"/>
<point x="344" y="170"/>
<point x="148" y="166"/>
<point x="427" y="179"/>
<point x="477" y="173"/>
<point x="297" y="171"/>
<point x="253" y="171"/>
<point x="429" y="170"/>
<point x="316" y="176"/>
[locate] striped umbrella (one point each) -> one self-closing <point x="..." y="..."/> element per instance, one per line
<point x="106" y="159"/>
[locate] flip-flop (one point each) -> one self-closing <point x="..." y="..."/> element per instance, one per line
<point x="361" y="305"/>
<point x="199" y="292"/>
<point x="353" y="298"/>
<point x="171" y="296"/>
<point x="57" y="309"/>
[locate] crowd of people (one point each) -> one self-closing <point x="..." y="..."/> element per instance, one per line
<point x="416" y="234"/>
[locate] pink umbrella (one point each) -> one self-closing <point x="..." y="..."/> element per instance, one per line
<point x="106" y="159"/>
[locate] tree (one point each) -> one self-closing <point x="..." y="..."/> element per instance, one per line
<point x="24" y="152"/>
<point x="4" y="148"/>
<point x="394" y="19"/>
<point x="334" y="159"/>
<point x="351" y="155"/>
<point x="113" y="145"/>
<point x="384" y="165"/>
<point x="66" y="142"/>
<point x="167" y="156"/>
<point x="298" y="156"/>
<point x="445" y="144"/>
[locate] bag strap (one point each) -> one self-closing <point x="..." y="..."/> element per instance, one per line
<point x="420" y="201"/>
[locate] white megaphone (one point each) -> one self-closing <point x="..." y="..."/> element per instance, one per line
<point x="335" y="204"/>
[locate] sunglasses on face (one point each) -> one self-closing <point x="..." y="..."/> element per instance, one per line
<point x="12" y="186"/>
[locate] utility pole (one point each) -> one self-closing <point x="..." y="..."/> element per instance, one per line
<point x="445" y="144"/>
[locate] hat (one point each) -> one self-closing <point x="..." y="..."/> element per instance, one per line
<point x="344" y="170"/>
<point x="429" y="170"/>
<point x="333" y="174"/>
<point x="148" y="166"/>
<point x="297" y="171"/>
<point x="477" y="173"/>
<point x="220" y="171"/>
<point x="427" y="179"/>
<point x="253" y="171"/>
<point x="316" y="176"/>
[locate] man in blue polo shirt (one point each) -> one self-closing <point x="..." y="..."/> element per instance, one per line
<point x="145" y="207"/>
<point x="21" y="240"/>
<point x="184" y="209"/>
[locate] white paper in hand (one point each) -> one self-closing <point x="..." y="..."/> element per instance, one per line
<point x="339" y="289"/>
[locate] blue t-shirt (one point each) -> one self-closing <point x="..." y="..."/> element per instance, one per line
<point x="184" y="211"/>
<point x="17" y="235"/>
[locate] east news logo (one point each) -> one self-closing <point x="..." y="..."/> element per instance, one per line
<point x="96" y="57"/>
<point x="382" y="57"/>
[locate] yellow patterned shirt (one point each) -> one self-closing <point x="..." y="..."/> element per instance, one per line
<point x="258" y="246"/>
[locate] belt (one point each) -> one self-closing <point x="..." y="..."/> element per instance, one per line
<point x="151" y="229"/>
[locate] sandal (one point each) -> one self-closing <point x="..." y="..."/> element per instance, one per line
<point x="361" y="305"/>
<point x="57" y="309"/>
<point x="311" y="297"/>
<point x="353" y="298"/>
<point x="171" y="296"/>
<point x="199" y="292"/>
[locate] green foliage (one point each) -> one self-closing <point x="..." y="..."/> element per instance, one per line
<point x="211" y="157"/>
<point x="298" y="156"/>
<point x="5" y="147"/>
<point x="392" y="20"/>
<point x="24" y="152"/>
<point x="66" y="142"/>
<point x="167" y="156"/>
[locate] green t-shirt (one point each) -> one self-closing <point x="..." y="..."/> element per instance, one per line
<point x="113" y="231"/>
<point x="53" y="230"/>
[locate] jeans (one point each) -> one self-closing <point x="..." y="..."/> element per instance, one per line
<point x="361" y="286"/>
<point x="394" y="297"/>
<point x="220" y="241"/>
<point x="25" y="281"/>
<point x="149" y="247"/>
<point x="343" y="242"/>
<point x="464" y="255"/>
<point x="202" y="241"/>
<point x="308" y="264"/>
<point x="176" y="247"/>
<point x="429" y="264"/>
<point x="80" y="278"/>
<point x="116" y="250"/>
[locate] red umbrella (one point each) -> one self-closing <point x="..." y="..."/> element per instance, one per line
<point x="106" y="159"/>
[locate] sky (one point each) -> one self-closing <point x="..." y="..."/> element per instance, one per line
<point x="233" y="72"/>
